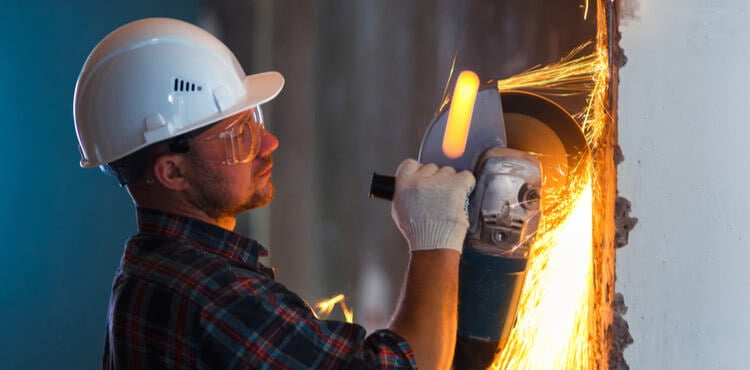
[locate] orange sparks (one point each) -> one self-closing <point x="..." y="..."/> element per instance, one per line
<point x="586" y="12"/>
<point x="563" y="310"/>
<point x="459" y="116"/>
<point x="326" y="306"/>
<point x="552" y="327"/>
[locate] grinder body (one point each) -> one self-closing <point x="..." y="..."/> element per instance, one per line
<point x="504" y="212"/>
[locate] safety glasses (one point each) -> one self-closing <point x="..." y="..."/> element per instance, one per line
<point x="243" y="138"/>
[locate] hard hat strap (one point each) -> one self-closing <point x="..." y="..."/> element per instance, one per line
<point x="115" y="172"/>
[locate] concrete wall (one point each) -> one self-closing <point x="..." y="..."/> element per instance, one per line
<point x="62" y="228"/>
<point x="684" y="129"/>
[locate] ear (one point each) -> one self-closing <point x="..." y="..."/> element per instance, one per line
<point x="169" y="171"/>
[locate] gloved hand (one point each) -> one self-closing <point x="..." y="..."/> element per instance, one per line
<point x="430" y="205"/>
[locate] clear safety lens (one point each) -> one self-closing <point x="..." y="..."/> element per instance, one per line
<point x="243" y="138"/>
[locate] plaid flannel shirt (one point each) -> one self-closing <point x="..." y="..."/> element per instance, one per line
<point x="191" y="295"/>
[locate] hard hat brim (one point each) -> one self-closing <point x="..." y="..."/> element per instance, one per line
<point x="262" y="88"/>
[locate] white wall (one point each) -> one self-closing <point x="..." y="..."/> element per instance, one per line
<point x="685" y="131"/>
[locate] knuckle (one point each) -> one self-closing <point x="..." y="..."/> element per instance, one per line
<point x="407" y="167"/>
<point x="447" y="170"/>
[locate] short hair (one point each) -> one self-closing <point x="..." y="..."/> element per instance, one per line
<point x="133" y="167"/>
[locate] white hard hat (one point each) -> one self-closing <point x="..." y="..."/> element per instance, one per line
<point x="155" y="79"/>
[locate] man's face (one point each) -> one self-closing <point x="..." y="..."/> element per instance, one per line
<point x="221" y="189"/>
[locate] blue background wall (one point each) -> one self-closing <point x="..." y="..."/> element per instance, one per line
<point x="62" y="228"/>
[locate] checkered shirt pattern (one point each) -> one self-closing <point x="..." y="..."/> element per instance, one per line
<point x="191" y="295"/>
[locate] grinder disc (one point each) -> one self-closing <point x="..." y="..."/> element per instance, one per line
<point x="542" y="127"/>
<point x="518" y="120"/>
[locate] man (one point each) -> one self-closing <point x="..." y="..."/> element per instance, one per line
<point x="165" y="107"/>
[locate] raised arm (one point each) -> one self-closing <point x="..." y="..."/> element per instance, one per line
<point x="429" y="207"/>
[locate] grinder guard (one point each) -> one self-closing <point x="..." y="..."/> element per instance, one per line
<point x="504" y="207"/>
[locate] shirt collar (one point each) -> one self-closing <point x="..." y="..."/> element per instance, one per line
<point x="204" y="235"/>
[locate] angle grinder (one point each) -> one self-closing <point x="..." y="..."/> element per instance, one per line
<point x="519" y="144"/>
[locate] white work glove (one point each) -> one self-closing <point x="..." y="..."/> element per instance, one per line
<point x="430" y="205"/>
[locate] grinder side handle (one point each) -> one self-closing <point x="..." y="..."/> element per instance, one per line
<point x="382" y="186"/>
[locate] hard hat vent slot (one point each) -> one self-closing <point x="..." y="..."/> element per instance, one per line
<point x="183" y="85"/>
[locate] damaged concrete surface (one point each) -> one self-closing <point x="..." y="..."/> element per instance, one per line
<point x="620" y="335"/>
<point x="623" y="222"/>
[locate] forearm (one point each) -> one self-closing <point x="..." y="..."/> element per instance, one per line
<point x="427" y="311"/>
<point x="429" y="208"/>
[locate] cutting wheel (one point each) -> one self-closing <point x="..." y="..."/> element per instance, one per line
<point x="529" y="122"/>
<point x="540" y="126"/>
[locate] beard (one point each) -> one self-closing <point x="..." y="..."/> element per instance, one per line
<point x="212" y="194"/>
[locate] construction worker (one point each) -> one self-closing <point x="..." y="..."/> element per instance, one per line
<point x="167" y="109"/>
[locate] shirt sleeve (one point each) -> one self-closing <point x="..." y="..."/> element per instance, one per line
<point x="260" y="324"/>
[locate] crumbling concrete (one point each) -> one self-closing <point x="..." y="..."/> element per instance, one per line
<point x="623" y="222"/>
<point x="620" y="334"/>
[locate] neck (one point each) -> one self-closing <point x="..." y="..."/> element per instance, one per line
<point x="170" y="204"/>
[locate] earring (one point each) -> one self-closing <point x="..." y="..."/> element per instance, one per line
<point x="150" y="181"/>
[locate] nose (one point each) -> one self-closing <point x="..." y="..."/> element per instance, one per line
<point x="269" y="144"/>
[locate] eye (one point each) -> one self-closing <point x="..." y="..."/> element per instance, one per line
<point x="247" y="130"/>
<point x="240" y="130"/>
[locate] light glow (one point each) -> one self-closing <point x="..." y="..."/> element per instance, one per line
<point x="325" y="307"/>
<point x="564" y="310"/>
<point x="555" y="305"/>
<point x="586" y="11"/>
<point x="459" y="116"/>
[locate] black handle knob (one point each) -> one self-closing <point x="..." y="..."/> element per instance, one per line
<point x="382" y="186"/>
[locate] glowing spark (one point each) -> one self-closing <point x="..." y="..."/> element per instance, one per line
<point x="564" y="307"/>
<point x="586" y="12"/>
<point x="459" y="115"/>
<point x="446" y="99"/>
<point x="326" y="306"/>
<point x="570" y="76"/>
<point x="551" y="331"/>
